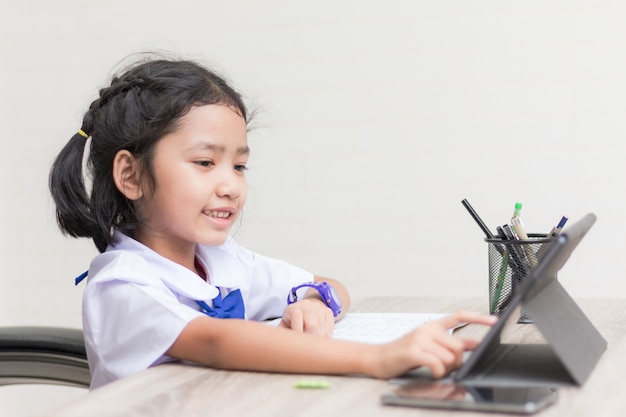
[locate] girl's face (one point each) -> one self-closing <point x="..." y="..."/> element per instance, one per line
<point x="200" y="181"/>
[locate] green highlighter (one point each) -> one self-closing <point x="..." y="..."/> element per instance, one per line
<point x="311" y="384"/>
<point x="501" y="275"/>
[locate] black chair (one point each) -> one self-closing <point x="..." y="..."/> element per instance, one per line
<point x="43" y="355"/>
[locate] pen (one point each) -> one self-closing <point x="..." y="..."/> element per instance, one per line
<point x="557" y="229"/>
<point x="553" y="233"/>
<point x="477" y="218"/>
<point x="520" y="231"/>
<point x="516" y="223"/>
<point x="512" y="257"/>
<point x="516" y="253"/>
<point x="519" y="268"/>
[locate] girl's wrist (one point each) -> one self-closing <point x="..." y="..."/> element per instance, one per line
<point x="319" y="290"/>
<point x="369" y="360"/>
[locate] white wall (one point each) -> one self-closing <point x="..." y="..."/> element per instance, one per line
<point x="376" y="119"/>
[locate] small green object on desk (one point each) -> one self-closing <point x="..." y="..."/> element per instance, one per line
<point x="307" y="383"/>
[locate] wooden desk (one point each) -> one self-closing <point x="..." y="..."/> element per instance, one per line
<point x="186" y="390"/>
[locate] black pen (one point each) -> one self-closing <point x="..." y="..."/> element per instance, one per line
<point x="518" y="255"/>
<point x="477" y="218"/>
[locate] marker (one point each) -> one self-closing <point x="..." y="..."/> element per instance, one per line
<point x="477" y="218"/>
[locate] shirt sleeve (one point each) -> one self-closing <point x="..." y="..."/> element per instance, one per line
<point x="129" y="327"/>
<point x="270" y="281"/>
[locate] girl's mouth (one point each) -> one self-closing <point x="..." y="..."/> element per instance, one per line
<point x="218" y="213"/>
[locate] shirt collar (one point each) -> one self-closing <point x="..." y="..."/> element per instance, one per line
<point x="175" y="276"/>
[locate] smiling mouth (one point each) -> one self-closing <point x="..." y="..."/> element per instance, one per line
<point x="218" y="214"/>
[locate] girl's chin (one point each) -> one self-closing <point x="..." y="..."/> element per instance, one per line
<point x="214" y="240"/>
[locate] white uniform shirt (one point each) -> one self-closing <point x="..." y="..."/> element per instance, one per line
<point x="136" y="302"/>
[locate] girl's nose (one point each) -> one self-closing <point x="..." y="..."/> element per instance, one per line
<point x="230" y="186"/>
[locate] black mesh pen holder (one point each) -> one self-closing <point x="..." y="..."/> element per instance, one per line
<point x="510" y="262"/>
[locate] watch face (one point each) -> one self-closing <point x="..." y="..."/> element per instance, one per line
<point x="334" y="295"/>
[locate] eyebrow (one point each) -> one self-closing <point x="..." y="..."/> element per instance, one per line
<point x="244" y="150"/>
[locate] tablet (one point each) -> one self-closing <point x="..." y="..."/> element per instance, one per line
<point x="448" y="395"/>
<point x="573" y="345"/>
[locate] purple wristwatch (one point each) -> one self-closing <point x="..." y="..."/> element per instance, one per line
<point x="327" y="292"/>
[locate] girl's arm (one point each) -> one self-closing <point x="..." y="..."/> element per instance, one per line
<point x="246" y="345"/>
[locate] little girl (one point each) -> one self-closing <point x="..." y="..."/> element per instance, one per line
<point x="167" y="161"/>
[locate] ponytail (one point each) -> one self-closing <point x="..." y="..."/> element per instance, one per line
<point x="68" y="190"/>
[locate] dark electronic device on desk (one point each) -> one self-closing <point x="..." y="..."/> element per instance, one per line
<point x="516" y="400"/>
<point x="572" y="349"/>
<point x="573" y="345"/>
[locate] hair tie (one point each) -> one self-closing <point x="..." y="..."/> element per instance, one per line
<point x="83" y="134"/>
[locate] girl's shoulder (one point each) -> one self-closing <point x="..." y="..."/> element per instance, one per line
<point x="121" y="265"/>
<point x="127" y="260"/>
<point x="148" y="269"/>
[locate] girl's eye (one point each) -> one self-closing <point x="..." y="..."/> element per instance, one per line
<point x="204" y="163"/>
<point x="241" y="168"/>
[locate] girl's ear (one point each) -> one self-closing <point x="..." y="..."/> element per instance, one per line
<point x="126" y="175"/>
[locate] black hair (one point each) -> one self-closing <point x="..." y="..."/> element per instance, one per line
<point x="143" y="104"/>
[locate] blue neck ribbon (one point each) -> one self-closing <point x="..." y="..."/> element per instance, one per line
<point x="229" y="307"/>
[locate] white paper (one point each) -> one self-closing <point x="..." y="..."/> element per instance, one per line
<point x="377" y="327"/>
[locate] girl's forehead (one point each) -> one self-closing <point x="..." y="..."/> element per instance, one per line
<point x="213" y="116"/>
<point x="215" y="127"/>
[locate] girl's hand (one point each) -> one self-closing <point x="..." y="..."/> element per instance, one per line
<point x="309" y="315"/>
<point x="429" y="345"/>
